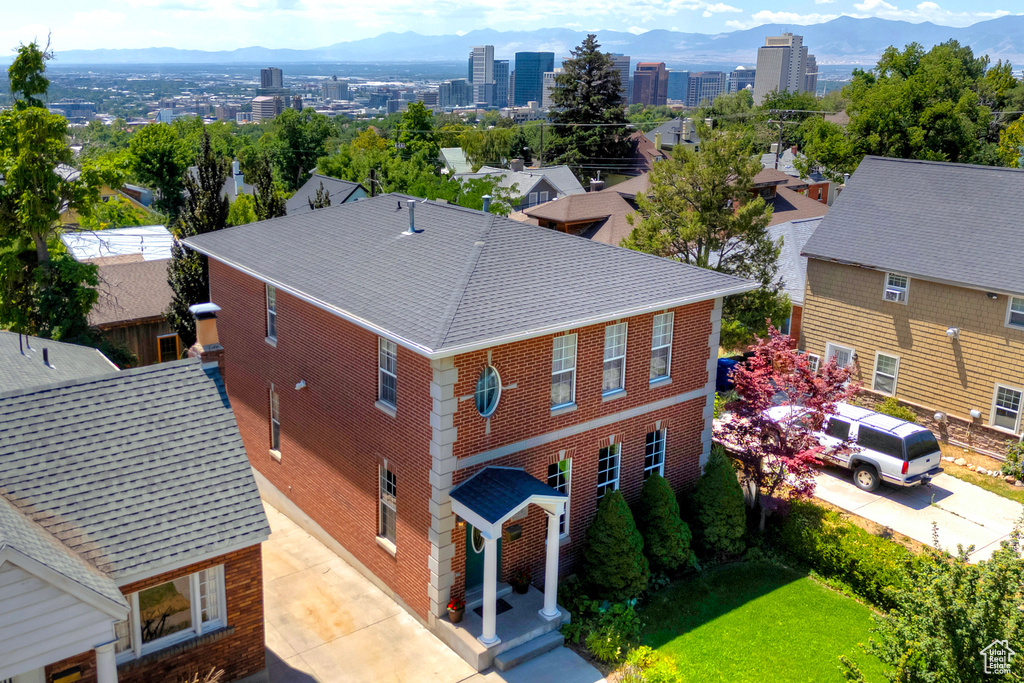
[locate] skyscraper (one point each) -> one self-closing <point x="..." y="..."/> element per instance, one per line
<point x="529" y="76"/>
<point x="457" y="93"/>
<point x="482" y="59"/>
<point x="620" y="63"/>
<point x="678" y="84"/>
<point x="549" y="87"/>
<point x="811" y="74"/>
<point x="334" y="89"/>
<point x="740" y="78"/>
<point x="500" y="83"/>
<point x="704" y="86"/>
<point x="782" y="65"/>
<point x="271" y="77"/>
<point x="657" y="92"/>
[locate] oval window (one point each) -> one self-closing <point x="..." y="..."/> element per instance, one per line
<point x="478" y="541"/>
<point x="488" y="391"/>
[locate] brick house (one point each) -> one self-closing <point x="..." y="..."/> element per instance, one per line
<point x="440" y="393"/>
<point x="130" y="523"/>
<point x="920" y="287"/>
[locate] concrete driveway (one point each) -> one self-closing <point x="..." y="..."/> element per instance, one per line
<point x="326" y="623"/>
<point x="964" y="513"/>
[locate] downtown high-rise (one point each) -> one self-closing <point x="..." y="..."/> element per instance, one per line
<point x="529" y="76"/>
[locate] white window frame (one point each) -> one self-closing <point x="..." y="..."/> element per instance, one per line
<point x="543" y="197"/>
<point x="831" y="347"/>
<point x="905" y="288"/>
<point x="661" y="436"/>
<point x="386" y="347"/>
<point x="532" y="199"/>
<point x="1020" y="407"/>
<point x="199" y="627"/>
<point x="612" y="483"/>
<point x="271" y="295"/>
<point x="895" y="376"/>
<point x="670" y="316"/>
<point x="619" y="358"/>
<point x="563" y="521"/>
<point x="1010" y="312"/>
<point x="275" y="422"/>
<point x="382" y="472"/>
<point x="563" y="369"/>
<point x="814" y="360"/>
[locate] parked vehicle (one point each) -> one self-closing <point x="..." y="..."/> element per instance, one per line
<point x="874" y="446"/>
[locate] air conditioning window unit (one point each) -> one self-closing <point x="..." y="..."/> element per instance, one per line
<point x="893" y="294"/>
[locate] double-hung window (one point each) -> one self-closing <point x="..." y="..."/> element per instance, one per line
<point x="896" y="288"/>
<point x="563" y="370"/>
<point x="275" y="421"/>
<point x="388" y="505"/>
<point x="886" y="370"/>
<point x="387" y="377"/>
<point x="271" y="312"/>
<point x="842" y="354"/>
<point x="1006" y="408"/>
<point x="171" y="612"/>
<point x="608" y="469"/>
<point x="1015" y="312"/>
<point x="654" y="454"/>
<point x="661" y="346"/>
<point x="560" y="479"/>
<point x="614" y="358"/>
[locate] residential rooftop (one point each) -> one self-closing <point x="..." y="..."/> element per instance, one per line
<point x="152" y="242"/>
<point x="131" y="291"/>
<point x="21" y="361"/>
<point x="793" y="266"/>
<point x="338" y="190"/>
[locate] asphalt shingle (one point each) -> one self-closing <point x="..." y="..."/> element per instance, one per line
<point x="21" y="365"/>
<point x="494" y="492"/>
<point x="339" y="191"/>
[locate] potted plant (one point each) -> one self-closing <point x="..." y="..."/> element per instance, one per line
<point x="520" y="581"/>
<point x="456" y="608"/>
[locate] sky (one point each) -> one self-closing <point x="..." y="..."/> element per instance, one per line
<point x="229" y="24"/>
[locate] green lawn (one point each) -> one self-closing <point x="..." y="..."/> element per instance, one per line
<point x="758" y="622"/>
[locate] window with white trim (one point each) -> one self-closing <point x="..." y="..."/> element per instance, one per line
<point x="886" y="369"/>
<point x="608" y="469"/>
<point x="661" y="346"/>
<point x="543" y="197"/>
<point x="560" y="479"/>
<point x="275" y="420"/>
<point x="563" y="370"/>
<point x="388" y="527"/>
<point x="654" y="453"/>
<point x="842" y="354"/>
<point x="169" y="613"/>
<point x="813" y="361"/>
<point x="1015" y="312"/>
<point x="896" y="288"/>
<point x="1006" y="408"/>
<point x="533" y="199"/>
<point x="271" y="312"/>
<point x="614" y="377"/>
<point x="387" y="366"/>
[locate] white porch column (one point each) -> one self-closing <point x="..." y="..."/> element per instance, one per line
<point x="106" y="664"/>
<point x="550" y="610"/>
<point x="488" y="637"/>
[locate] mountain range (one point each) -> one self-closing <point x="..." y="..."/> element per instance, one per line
<point x="845" y="40"/>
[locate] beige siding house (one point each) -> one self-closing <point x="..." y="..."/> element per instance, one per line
<point x="913" y="277"/>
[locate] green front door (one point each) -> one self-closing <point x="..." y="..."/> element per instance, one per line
<point x="475" y="557"/>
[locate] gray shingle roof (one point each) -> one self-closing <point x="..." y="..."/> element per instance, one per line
<point x="132" y="471"/>
<point x="793" y="266"/>
<point x="494" y="492"/>
<point x="22" y="367"/>
<point x="339" y="190"/>
<point x="954" y="223"/>
<point x="469" y="279"/>
<point x="560" y="177"/>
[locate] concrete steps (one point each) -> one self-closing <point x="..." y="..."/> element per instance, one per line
<point x="528" y="650"/>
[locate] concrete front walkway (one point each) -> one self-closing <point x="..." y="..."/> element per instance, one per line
<point x="326" y="623"/>
<point x="964" y="513"/>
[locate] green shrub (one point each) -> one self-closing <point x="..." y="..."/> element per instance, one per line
<point x="869" y="565"/>
<point x="890" y="406"/>
<point x="616" y="632"/>
<point x="645" y="665"/>
<point x="666" y="536"/>
<point x="614" y="567"/>
<point x="718" y="500"/>
<point x="1014" y="464"/>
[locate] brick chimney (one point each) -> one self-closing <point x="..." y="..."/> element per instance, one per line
<point x="207" y="346"/>
<point x="596" y="184"/>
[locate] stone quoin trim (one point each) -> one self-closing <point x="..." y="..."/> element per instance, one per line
<point x="444" y="403"/>
<point x="709" y="388"/>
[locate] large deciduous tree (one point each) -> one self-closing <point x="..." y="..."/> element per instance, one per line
<point x="158" y="158"/>
<point x="268" y="202"/>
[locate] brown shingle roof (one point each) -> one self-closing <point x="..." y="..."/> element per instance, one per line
<point x="131" y="291"/>
<point x="632" y="187"/>
<point x="793" y="206"/>
<point x="606" y="210"/>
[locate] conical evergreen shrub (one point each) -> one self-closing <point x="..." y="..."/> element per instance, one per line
<point x="614" y="567"/>
<point x="721" y="513"/>
<point x="666" y="536"/>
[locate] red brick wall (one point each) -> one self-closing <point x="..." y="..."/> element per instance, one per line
<point x="240" y="653"/>
<point x="332" y="435"/>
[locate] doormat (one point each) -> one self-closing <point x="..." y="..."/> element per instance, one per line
<point x="500" y="607"/>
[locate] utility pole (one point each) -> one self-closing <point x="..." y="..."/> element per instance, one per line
<point x="373" y="182"/>
<point x="541" y="164"/>
<point x="783" y="115"/>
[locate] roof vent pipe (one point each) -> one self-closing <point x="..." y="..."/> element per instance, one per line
<point x="46" y="356"/>
<point x="411" y="204"/>
<point x="487" y="203"/>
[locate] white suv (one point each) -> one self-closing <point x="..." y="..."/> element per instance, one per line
<point x="879" y="447"/>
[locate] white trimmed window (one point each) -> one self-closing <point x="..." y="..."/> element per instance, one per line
<point x="608" y="469"/>
<point x="387" y="377"/>
<point x="560" y="479"/>
<point x="654" y="454"/>
<point x="275" y="420"/>
<point x="271" y="312"/>
<point x="543" y="197"/>
<point x="842" y="354"/>
<point x="886" y="369"/>
<point x="169" y="613"/>
<point x="1015" y="312"/>
<point x="388" y="505"/>
<point x="1006" y="408"/>
<point x="563" y="370"/>
<point x="661" y="346"/>
<point x="813" y="362"/>
<point x="614" y="378"/>
<point x="896" y="288"/>
<point x="533" y="199"/>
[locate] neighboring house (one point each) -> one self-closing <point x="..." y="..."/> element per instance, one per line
<point x="643" y="154"/>
<point x="234" y="185"/>
<point x="678" y="132"/>
<point x="408" y="394"/>
<point x="533" y="186"/>
<point x="598" y="216"/>
<point x="340" y="191"/>
<point x="454" y="159"/>
<point x="106" y="193"/>
<point x="920" y="287"/>
<point x="793" y="268"/>
<point x="783" y="193"/>
<point x="815" y="186"/>
<point x="130" y="524"/>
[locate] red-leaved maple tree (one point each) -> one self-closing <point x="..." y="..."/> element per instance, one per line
<point x="778" y="457"/>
